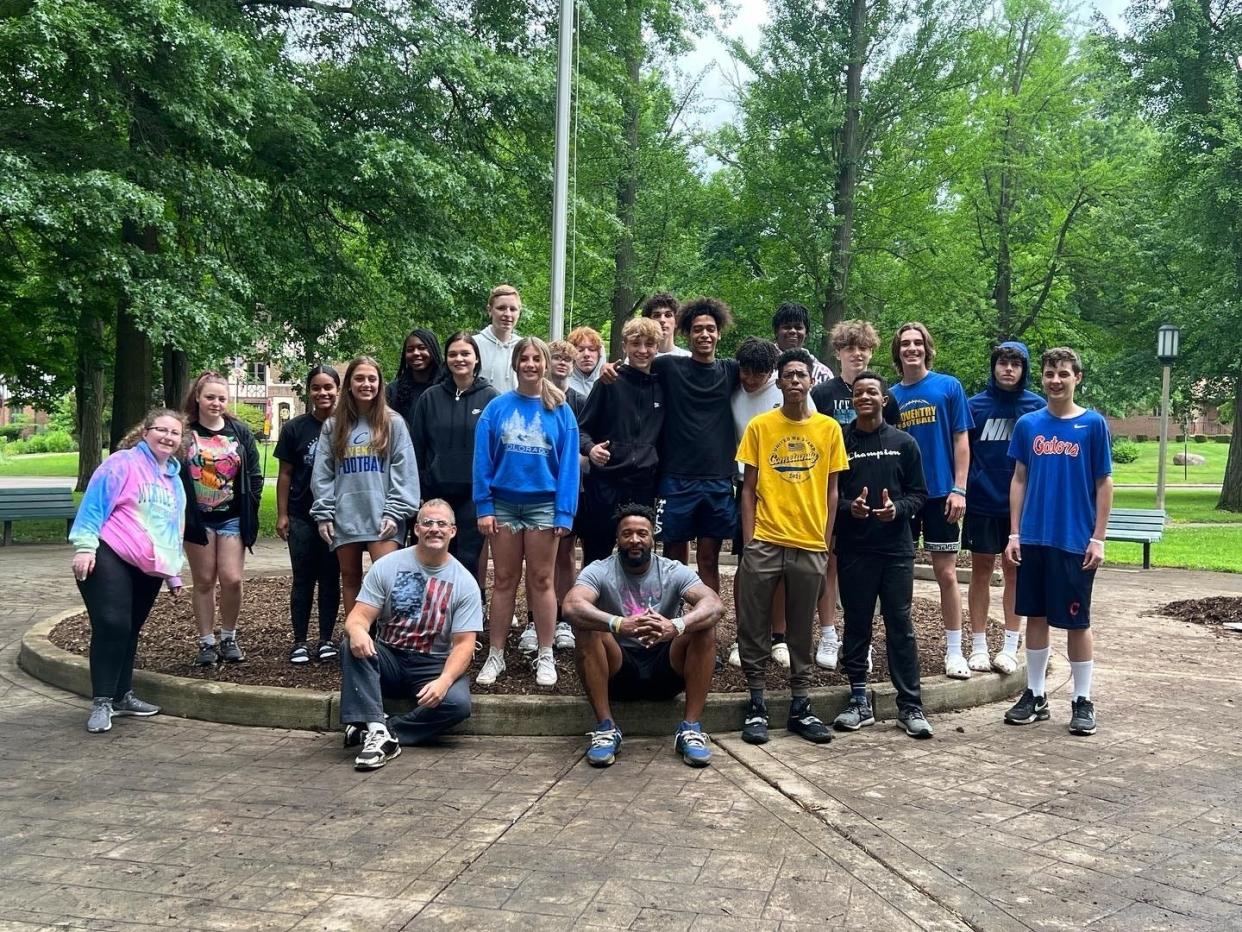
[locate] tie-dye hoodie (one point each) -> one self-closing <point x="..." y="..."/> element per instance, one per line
<point x="137" y="508"/>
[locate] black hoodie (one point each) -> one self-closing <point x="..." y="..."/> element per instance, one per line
<point x="443" y="437"/>
<point x="886" y="458"/>
<point x="629" y="414"/>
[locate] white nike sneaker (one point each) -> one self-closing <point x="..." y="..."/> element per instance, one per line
<point x="826" y="653"/>
<point x="735" y="655"/>
<point x="493" y="666"/>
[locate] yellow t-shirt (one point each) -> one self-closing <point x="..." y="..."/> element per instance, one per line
<point x="794" y="460"/>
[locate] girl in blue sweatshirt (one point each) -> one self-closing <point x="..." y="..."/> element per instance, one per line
<point x="525" y="495"/>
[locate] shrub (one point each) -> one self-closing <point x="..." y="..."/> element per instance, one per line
<point x="1222" y="438"/>
<point x="1142" y="438"/>
<point x="1117" y="437"/>
<point x="57" y="441"/>
<point x="11" y="432"/>
<point x="15" y="448"/>
<point x="1199" y="438"/>
<point x="1179" y="438"/>
<point x="1124" y="451"/>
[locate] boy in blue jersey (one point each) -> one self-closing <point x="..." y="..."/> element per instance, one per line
<point x="933" y="410"/>
<point x="985" y="530"/>
<point x="1059" y="500"/>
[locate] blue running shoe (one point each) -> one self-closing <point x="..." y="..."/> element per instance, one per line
<point x="605" y="743"/>
<point x="691" y="744"/>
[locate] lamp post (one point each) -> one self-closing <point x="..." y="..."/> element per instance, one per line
<point x="1168" y="339"/>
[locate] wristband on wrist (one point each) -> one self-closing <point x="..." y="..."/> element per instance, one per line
<point x="958" y="489"/>
<point x="1014" y="536"/>
<point x="1093" y="540"/>
<point x="680" y="626"/>
<point x="614" y="624"/>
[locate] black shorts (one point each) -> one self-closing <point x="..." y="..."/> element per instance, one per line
<point x="984" y="533"/>
<point x="940" y="535"/>
<point x="1052" y="584"/>
<point x="646" y="673"/>
<point x="598" y="504"/>
<point x="694" y="508"/>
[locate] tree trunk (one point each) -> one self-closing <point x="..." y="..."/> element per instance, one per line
<point x="627" y="182"/>
<point x="89" y="396"/>
<point x="176" y="376"/>
<point x="1231" y="488"/>
<point x="842" y="257"/>
<point x="131" y="377"/>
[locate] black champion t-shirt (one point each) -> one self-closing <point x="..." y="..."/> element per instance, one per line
<point x="697" y="441"/>
<point x="299" y="439"/>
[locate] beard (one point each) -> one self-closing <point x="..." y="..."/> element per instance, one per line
<point x="635" y="561"/>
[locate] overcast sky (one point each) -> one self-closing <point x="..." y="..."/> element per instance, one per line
<point x="716" y="90"/>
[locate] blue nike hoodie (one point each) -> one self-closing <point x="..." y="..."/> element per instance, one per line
<point x="994" y="411"/>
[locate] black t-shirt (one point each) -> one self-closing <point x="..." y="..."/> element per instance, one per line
<point x="835" y="398"/>
<point x="299" y="439"/>
<point x="697" y="440"/>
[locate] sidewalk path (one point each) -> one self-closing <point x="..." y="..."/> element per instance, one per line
<point x="174" y="823"/>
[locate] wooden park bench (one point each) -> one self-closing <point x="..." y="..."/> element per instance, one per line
<point x="1138" y="526"/>
<point x="30" y="504"/>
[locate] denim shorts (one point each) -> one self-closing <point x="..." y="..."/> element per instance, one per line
<point x="525" y="516"/>
<point x="222" y="527"/>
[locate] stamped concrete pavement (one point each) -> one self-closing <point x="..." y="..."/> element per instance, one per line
<point x="173" y="823"/>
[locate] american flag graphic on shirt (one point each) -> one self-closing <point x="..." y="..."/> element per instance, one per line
<point x="419" y="611"/>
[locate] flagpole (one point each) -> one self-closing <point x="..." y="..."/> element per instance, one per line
<point x="560" y="169"/>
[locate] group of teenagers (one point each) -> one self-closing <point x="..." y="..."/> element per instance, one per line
<point x="506" y="448"/>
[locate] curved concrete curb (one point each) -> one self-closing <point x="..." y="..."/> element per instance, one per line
<point x="281" y="707"/>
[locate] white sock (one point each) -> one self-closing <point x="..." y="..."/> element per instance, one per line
<point x="828" y="635"/>
<point x="377" y="726"/>
<point x="226" y="635"/>
<point x="208" y="640"/>
<point x="545" y="652"/>
<point x="955" y="642"/>
<point x="1011" y="642"/>
<point x="1081" y="671"/>
<point x="979" y="643"/>
<point x="1036" y="669"/>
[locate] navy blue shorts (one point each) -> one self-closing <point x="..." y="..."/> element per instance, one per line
<point x="1052" y="584"/>
<point x="694" y="508"/>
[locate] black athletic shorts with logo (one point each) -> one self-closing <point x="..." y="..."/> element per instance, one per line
<point x="939" y="534"/>
<point x="984" y="533"/>
<point x="1052" y="584"/>
<point x="646" y="673"/>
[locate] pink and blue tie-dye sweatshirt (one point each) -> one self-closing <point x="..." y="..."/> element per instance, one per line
<point x="137" y="508"/>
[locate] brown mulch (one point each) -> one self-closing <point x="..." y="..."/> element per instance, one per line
<point x="168" y="645"/>
<point x="1213" y="612"/>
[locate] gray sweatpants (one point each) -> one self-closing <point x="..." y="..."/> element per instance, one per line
<point x="763" y="566"/>
<point x="399" y="674"/>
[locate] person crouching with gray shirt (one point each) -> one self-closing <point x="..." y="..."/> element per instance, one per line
<point x="429" y="612"/>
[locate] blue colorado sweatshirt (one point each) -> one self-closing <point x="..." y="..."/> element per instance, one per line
<point x="995" y="411"/>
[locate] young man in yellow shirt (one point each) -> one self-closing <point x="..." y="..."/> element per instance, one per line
<point x="791" y="458"/>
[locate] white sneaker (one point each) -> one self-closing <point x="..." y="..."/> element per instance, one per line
<point x="493" y="666"/>
<point x="528" y="643"/>
<point x="564" y="639"/>
<point x="515" y="624"/>
<point x="955" y="667"/>
<point x="870" y="654"/>
<point x="545" y="668"/>
<point x="980" y="662"/>
<point x="735" y="655"/>
<point x="780" y="653"/>
<point x="1004" y="663"/>
<point x="826" y="653"/>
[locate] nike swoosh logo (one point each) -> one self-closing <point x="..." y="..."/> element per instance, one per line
<point x="1079" y="426"/>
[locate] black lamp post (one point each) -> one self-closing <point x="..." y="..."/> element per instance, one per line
<point x="1168" y="342"/>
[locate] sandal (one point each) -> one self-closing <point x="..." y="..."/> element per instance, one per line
<point x="326" y="651"/>
<point x="300" y="654"/>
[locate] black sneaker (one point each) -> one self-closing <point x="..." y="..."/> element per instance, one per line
<point x="755" y="726"/>
<point x="353" y="735"/>
<point x="1082" y="717"/>
<point x="230" y="651"/>
<point x="378" y="748"/>
<point x="208" y="655"/>
<point x="804" y="724"/>
<point x="1029" y="708"/>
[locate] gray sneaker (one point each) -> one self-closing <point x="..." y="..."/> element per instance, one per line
<point x="1082" y="717"/>
<point x="230" y="651"/>
<point x="854" y="716"/>
<point x="101" y="715"/>
<point x="208" y="655"/>
<point x="129" y="704"/>
<point x="914" y="722"/>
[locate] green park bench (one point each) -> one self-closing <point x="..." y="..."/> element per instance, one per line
<point x="31" y="504"/>
<point x="1137" y="526"/>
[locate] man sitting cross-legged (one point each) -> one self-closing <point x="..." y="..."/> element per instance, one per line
<point x="429" y="611"/>
<point x="633" y="641"/>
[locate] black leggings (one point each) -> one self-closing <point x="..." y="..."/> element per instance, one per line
<point x="313" y="564"/>
<point x="118" y="600"/>
<point x="468" y="543"/>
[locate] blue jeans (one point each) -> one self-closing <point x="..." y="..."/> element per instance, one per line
<point x="399" y="674"/>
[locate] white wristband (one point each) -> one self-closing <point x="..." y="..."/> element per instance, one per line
<point x="1014" y="536"/>
<point x="1093" y="540"/>
<point x="680" y="626"/>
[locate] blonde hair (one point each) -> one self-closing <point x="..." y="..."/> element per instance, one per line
<point x="549" y="394"/>
<point x="587" y="335"/>
<point x="499" y="292"/>
<point x="563" y="346"/>
<point x="347" y="413"/>
<point x="134" y="434"/>
<point x="643" y="327"/>
<point x="855" y="333"/>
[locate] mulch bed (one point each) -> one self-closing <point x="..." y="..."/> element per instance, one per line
<point x="168" y="645"/>
<point x="1213" y="612"/>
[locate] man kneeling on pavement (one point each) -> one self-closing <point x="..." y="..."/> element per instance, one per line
<point x="633" y="641"/>
<point x="427" y="611"/>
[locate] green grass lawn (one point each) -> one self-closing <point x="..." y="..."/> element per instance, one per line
<point x="1143" y="470"/>
<point x="66" y="464"/>
<point x="1196" y="506"/>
